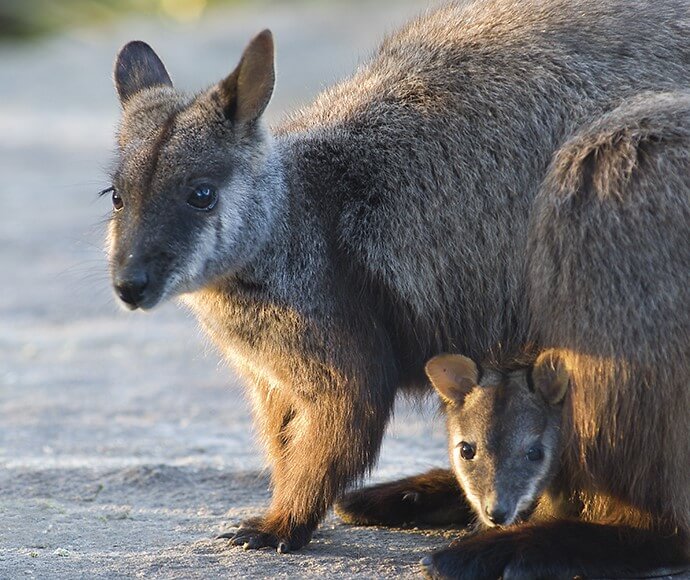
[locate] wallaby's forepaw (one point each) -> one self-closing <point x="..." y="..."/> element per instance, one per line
<point x="255" y="533"/>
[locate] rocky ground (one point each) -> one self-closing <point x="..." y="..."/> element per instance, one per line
<point x="125" y="445"/>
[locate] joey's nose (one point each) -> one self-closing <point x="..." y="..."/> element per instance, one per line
<point x="496" y="515"/>
<point x="131" y="289"/>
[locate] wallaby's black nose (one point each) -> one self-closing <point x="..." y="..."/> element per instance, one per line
<point x="131" y="289"/>
<point x="496" y="515"/>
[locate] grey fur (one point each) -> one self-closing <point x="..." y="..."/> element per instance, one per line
<point x="613" y="221"/>
<point x="387" y="222"/>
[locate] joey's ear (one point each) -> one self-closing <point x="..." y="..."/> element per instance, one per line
<point x="550" y="377"/>
<point x="246" y="92"/>
<point x="453" y="376"/>
<point x="138" y="67"/>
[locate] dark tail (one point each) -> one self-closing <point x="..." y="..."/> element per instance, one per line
<point x="433" y="498"/>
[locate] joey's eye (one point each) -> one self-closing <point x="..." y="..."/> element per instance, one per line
<point x="535" y="453"/>
<point x="203" y="197"/>
<point x="467" y="451"/>
<point x="118" y="204"/>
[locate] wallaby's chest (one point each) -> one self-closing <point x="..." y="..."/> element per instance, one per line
<point x="242" y="316"/>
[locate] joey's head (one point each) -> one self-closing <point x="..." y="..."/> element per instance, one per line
<point x="504" y="431"/>
<point x="196" y="181"/>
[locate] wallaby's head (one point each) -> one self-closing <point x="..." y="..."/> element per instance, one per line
<point x="504" y="431"/>
<point x="195" y="180"/>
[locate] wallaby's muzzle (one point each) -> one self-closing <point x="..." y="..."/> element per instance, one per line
<point x="131" y="287"/>
<point x="497" y="514"/>
<point x="143" y="282"/>
<point x="139" y="281"/>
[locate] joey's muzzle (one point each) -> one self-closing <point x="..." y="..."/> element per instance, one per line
<point x="497" y="515"/>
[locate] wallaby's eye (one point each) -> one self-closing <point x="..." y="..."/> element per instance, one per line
<point x="118" y="204"/>
<point x="535" y="453"/>
<point x="203" y="197"/>
<point x="467" y="451"/>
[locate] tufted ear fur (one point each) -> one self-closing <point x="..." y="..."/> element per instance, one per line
<point x="453" y="376"/>
<point x="245" y="93"/>
<point x="550" y="377"/>
<point x="138" y="67"/>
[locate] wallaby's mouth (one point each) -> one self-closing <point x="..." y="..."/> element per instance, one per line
<point x="502" y="523"/>
<point x="144" y="305"/>
<point x="136" y="291"/>
<point x="515" y="518"/>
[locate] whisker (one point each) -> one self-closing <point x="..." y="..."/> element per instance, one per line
<point x="84" y="276"/>
<point x="103" y="221"/>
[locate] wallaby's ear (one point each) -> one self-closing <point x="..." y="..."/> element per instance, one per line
<point x="550" y="377"/>
<point x="453" y="376"/>
<point x="138" y="67"/>
<point x="246" y="92"/>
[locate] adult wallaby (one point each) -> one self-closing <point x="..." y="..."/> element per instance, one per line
<point x="330" y="258"/>
<point x="504" y="435"/>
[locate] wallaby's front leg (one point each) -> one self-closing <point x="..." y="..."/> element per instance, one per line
<point x="273" y="412"/>
<point x="329" y="439"/>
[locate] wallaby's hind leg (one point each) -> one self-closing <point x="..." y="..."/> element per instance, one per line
<point x="433" y="498"/>
<point x="609" y="264"/>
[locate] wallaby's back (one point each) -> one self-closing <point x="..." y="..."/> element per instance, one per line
<point x="457" y="117"/>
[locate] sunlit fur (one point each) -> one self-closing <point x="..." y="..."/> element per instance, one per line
<point x="390" y="220"/>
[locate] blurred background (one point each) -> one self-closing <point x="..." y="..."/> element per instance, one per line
<point x="125" y="443"/>
<point x="23" y="19"/>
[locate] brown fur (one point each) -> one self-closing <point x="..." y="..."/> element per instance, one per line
<point x="619" y="193"/>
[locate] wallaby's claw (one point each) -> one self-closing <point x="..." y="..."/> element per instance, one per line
<point x="252" y="539"/>
<point x="251" y="536"/>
